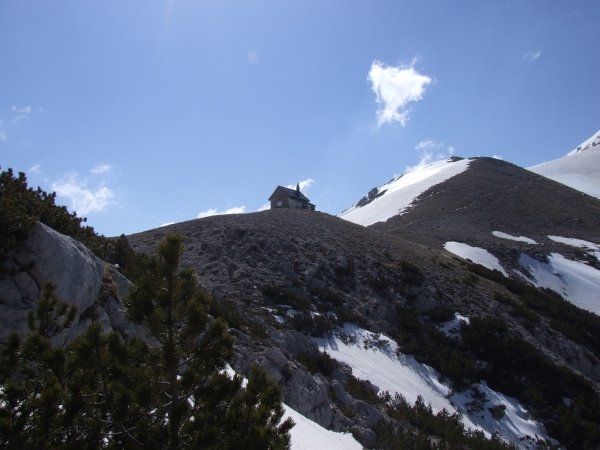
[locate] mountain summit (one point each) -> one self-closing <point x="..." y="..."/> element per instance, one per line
<point x="579" y="169"/>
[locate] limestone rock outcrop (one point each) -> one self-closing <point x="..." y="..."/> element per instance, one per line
<point x="81" y="278"/>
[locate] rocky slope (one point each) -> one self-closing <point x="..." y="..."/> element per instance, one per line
<point x="494" y="195"/>
<point x="81" y="278"/>
<point x="267" y="262"/>
<point x="289" y="283"/>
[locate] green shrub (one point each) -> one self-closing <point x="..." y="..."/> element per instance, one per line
<point x="429" y="431"/>
<point x="517" y="369"/>
<point x="328" y="295"/>
<point x="318" y="362"/>
<point x="21" y="207"/>
<point x="361" y="390"/>
<point x="411" y="274"/>
<point x="285" y="296"/>
<point x="408" y="322"/>
<point x="441" y="315"/>
<point x="575" y="323"/>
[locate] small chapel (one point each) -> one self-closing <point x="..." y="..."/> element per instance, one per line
<point x="284" y="197"/>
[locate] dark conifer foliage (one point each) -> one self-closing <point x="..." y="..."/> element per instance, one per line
<point x="104" y="392"/>
<point x="22" y="206"/>
<point x="35" y="404"/>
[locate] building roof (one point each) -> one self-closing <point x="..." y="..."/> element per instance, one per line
<point x="293" y="194"/>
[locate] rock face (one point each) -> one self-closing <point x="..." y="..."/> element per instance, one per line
<point x="48" y="256"/>
<point x="81" y="279"/>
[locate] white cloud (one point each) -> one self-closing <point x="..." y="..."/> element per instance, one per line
<point x="166" y="224"/>
<point x="16" y="119"/>
<point x="395" y="87"/>
<point x="429" y="144"/>
<point x="100" y="168"/>
<point x="426" y="158"/>
<point x="215" y="212"/>
<point x="252" y="58"/>
<point x="83" y="200"/>
<point x="497" y="156"/>
<point x="34" y="170"/>
<point x="532" y="56"/>
<point x="2" y="133"/>
<point x="429" y="148"/>
<point x="304" y="185"/>
<point x="25" y="110"/>
<point x="264" y="207"/>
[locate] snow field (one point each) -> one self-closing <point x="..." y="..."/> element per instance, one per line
<point x="476" y="254"/>
<point x="309" y="435"/>
<point x="502" y="235"/>
<point x="575" y="281"/>
<point x="590" y="143"/>
<point x="592" y="248"/>
<point x="373" y="357"/>
<point x="578" y="169"/>
<point x="402" y="191"/>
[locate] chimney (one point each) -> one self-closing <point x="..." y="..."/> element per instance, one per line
<point x="298" y="189"/>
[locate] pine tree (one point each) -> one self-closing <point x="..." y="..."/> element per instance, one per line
<point x="34" y="394"/>
<point x="186" y="370"/>
<point x="104" y="392"/>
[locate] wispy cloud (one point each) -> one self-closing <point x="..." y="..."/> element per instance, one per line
<point x="35" y="170"/>
<point x="25" y="110"/>
<point x="395" y="87"/>
<point x="2" y="132"/>
<point x="167" y="224"/>
<point x="264" y="207"/>
<point x="304" y="185"/>
<point x="100" y="168"/>
<point x="533" y="55"/>
<point x="23" y="113"/>
<point x="215" y="212"/>
<point x="497" y="156"/>
<point x="252" y="58"/>
<point x="19" y="117"/>
<point x="83" y="200"/>
<point x="429" y="144"/>
<point x="431" y="151"/>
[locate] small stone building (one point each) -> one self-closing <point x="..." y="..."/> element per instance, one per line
<point x="284" y="197"/>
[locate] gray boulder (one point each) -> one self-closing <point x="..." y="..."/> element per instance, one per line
<point x="308" y="395"/>
<point x="54" y="257"/>
<point x="81" y="278"/>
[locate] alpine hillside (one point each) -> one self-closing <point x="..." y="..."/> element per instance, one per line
<point x="456" y="306"/>
<point x="578" y="169"/>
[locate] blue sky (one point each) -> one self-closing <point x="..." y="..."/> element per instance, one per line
<point x="140" y="113"/>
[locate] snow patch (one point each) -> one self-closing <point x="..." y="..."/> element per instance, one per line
<point x="575" y="281"/>
<point x="579" y="169"/>
<point x="374" y="357"/>
<point x="394" y="197"/>
<point x="476" y="254"/>
<point x="590" y="143"/>
<point x="451" y="328"/>
<point x="580" y="243"/>
<point x="308" y="435"/>
<point x="502" y="235"/>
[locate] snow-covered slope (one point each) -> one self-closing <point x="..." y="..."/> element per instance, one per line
<point x="579" y="169"/>
<point x="375" y="358"/>
<point x="308" y="435"/>
<point x="395" y="196"/>
<point x="575" y="281"/>
<point x="476" y="254"/>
